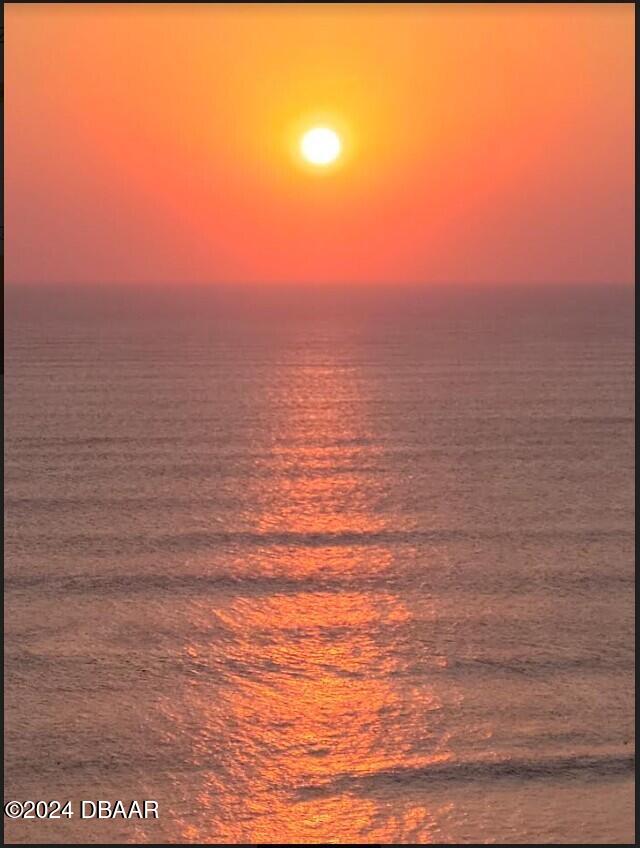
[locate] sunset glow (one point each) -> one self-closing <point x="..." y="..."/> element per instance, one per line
<point x="319" y="423"/>
<point x="479" y="144"/>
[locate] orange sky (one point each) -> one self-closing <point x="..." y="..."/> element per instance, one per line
<point x="153" y="144"/>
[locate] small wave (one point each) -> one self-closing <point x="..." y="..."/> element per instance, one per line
<point x="571" y="767"/>
<point x="253" y="584"/>
<point x="241" y="582"/>
<point x="108" y="545"/>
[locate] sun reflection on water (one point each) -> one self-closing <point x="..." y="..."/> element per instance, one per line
<point x="302" y="690"/>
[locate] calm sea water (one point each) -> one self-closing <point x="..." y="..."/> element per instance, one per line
<point x="321" y="567"/>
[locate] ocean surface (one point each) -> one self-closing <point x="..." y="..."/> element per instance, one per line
<point x="321" y="566"/>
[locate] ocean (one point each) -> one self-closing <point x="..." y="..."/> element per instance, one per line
<point x="321" y="566"/>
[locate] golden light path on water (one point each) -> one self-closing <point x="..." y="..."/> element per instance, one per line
<point x="314" y="691"/>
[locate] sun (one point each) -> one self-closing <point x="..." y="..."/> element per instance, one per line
<point x="320" y="146"/>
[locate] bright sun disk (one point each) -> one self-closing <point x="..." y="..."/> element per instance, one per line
<point x="320" y="146"/>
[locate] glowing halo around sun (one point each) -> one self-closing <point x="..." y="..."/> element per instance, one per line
<point x="320" y="146"/>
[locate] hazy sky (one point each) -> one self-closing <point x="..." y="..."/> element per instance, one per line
<point x="158" y="143"/>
